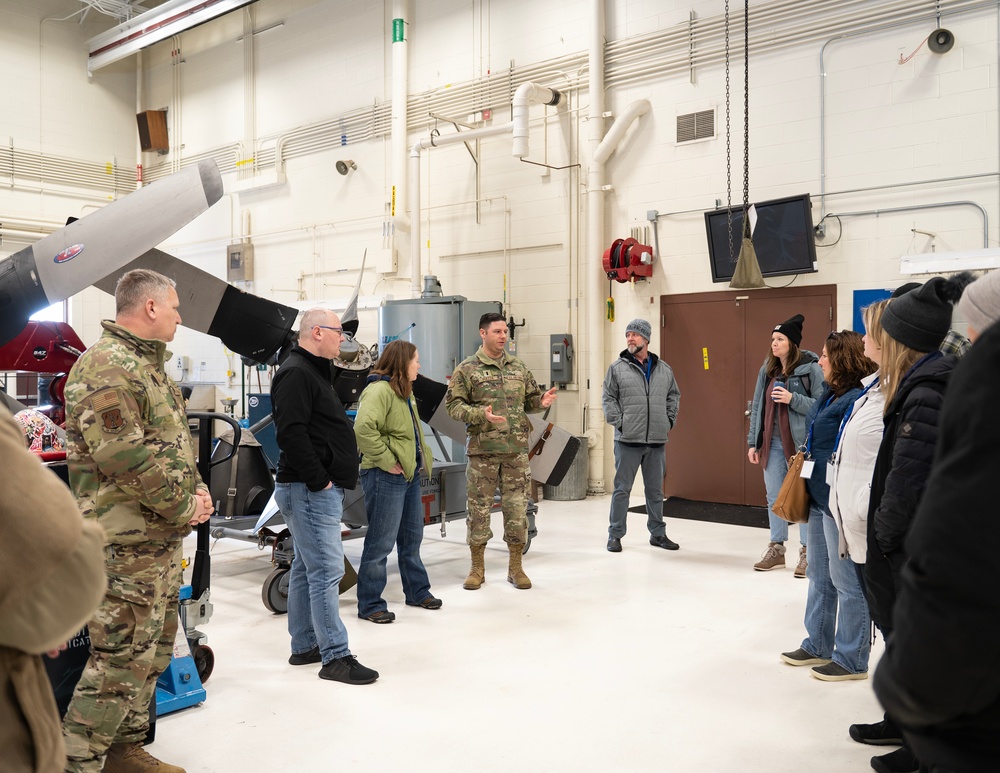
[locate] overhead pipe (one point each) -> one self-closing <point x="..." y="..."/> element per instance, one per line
<point x="400" y="97"/>
<point x="526" y="95"/>
<point x="414" y="187"/>
<point x="594" y="428"/>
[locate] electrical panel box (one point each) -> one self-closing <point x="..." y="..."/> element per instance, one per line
<point x="239" y="262"/>
<point x="561" y="358"/>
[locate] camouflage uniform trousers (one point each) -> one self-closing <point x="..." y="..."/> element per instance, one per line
<point x="132" y="641"/>
<point x="484" y="474"/>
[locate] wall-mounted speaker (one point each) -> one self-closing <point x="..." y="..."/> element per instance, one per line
<point x="153" y="130"/>
<point x="940" y="41"/>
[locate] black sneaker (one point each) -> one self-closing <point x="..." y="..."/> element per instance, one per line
<point x="347" y="670"/>
<point x="614" y="545"/>
<point x="663" y="541"/>
<point x="305" y="658"/>
<point x="884" y="733"/>
<point x="802" y="658"/>
<point x="899" y="761"/>
<point x="381" y="617"/>
<point x="431" y="602"/>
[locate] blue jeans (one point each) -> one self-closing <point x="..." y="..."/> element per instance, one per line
<point x="395" y="517"/>
<point x="628" y="460"/>
<point x="836" y="600"/>
<point x="313" y="518"/>
<point x="774" y="476"/>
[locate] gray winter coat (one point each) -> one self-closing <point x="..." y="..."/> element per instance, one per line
<point x="802" y="398"/>
<point x="640" y="411"/>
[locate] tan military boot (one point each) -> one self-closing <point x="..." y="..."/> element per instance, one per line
<point x="515" y="574"/>
<point x="132" y="758"/>
<point x="477" y="574"/>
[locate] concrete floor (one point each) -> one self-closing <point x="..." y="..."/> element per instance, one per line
<point x="645" y="660"/>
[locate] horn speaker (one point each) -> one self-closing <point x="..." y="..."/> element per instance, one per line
<point x="940" y="41"/>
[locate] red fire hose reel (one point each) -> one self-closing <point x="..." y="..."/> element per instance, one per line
<point x="626" y="260"/>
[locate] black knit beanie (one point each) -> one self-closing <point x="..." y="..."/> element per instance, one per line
<point x="791" y="329"/>
<point x="921" y="318"/>
<point x="904" y="289"/>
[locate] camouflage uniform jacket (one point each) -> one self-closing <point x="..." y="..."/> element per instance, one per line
<point x="129" y="451"/>
<point x="508" y="386"/>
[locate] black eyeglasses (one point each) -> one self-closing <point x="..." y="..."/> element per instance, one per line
<point x="334" y="329"/>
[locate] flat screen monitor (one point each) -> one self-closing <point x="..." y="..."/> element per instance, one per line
<point x="783" y="239"/>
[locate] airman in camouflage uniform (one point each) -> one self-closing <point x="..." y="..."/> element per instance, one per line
<point x="132" y="468"/>
<point x="492" y="393"/>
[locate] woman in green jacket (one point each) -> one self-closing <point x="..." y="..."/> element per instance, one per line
<point x="394" y="456"/>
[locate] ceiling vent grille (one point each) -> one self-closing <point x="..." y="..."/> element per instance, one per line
<point x="696" y="126"/>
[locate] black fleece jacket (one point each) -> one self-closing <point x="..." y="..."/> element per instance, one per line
<point x="314" y="435"/>
<point x="901" y="469"/>
<point x="939" y="678"/>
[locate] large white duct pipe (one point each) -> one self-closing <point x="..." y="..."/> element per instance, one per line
<point x="618" y="129"/>
<point x="526" y="95"/>
<point x="594" y="312"/>
<point x="595" y="216"/>
<point x="398" y="118"/>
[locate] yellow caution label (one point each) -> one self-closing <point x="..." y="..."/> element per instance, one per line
<point x="704" y="356"/>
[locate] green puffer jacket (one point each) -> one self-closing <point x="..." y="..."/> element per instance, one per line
<point x="384" y="430"/>
<point x="508" y="387"/>
<point x="129" y="452"/>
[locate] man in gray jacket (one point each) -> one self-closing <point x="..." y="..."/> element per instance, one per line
<point x="640" y="401"/>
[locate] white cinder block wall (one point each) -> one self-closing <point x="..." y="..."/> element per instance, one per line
<point x="895" y="134"/>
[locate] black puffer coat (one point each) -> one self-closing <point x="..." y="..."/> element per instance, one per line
<point x="939" y="677"/>
<point x="901" y="470"/>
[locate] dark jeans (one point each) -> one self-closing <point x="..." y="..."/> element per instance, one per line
<point x="395" y="517"/>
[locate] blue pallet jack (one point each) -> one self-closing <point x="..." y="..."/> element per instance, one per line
<point x="182" y="684"/>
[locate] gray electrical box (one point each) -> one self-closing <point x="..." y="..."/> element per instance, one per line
<point x="239" y="262"/>
<point x="561" y="358"/>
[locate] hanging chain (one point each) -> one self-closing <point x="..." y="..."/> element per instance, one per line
<point x="746" y="118"/>
<point x="729" y="152"/>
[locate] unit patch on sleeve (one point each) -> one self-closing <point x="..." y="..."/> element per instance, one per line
<point x="112" y="421"/>
<point x="107" y="404"/>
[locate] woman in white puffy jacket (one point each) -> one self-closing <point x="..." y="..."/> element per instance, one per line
<point x="854" y="460"/>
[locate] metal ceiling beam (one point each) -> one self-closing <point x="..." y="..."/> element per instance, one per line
<point x="164" y="21"/>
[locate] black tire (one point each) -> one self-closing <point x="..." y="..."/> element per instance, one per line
<point x="274" y="593"/>
<point x="204" y="661"/>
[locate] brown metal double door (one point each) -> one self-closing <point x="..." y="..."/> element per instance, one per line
<point x="716" y="343"/>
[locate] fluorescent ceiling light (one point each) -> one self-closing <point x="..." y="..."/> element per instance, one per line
<point x="164" y="21"/>
<point x="947" y="262"/>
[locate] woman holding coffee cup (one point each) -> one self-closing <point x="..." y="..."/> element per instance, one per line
<point x="788" y="384"/>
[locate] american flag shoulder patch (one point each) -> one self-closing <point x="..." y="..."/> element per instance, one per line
<point x="105" y="400"/>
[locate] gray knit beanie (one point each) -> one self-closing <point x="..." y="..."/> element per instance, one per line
<point x="921" y="318"/>
<point x="640" y="326"/>
<point x="980" y="304"/>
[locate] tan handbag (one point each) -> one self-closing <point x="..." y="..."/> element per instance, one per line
<point x="792" y="502"/>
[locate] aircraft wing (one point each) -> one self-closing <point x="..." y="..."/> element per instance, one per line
<point x="63" y="263"/>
